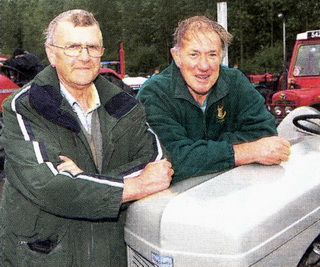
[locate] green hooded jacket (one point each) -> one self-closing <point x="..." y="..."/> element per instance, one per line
<point x="57" y="219"/>
<point x="202" y="142"/>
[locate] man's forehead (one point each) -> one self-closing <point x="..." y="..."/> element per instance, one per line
<point x="67" y="30"/>
<point x="68" y="25"/>
<point x="200" y="37"/>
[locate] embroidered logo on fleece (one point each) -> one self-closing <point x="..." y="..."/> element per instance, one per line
<point x="221" y="113"/>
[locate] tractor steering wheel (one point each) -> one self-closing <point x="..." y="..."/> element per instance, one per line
<point x="297" y="122"/>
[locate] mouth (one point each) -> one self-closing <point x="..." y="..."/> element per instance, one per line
<point x="202" y="77"/>
<point x="82" y="68"/>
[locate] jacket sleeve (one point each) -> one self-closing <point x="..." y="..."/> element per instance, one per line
<point x="32" y="148"/>
<point x="251" y="119"/>
<point x="134" y="143"/>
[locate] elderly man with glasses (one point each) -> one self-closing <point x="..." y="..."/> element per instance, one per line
<point x="78" y="149"/>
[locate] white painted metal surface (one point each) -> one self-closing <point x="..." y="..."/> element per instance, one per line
<point x="241" y="217"/>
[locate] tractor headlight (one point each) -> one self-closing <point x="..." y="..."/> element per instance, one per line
<point x="277" y="110"/>
<point x="287" y="110"/>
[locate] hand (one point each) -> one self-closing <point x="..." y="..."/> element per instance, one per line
<point x="267" y="151"/>
<point x="155" y="177"/>
<point x="68" y="165"/>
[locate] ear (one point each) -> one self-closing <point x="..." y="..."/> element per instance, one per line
<point x="222" y="54"/>
<point x="176" y="56"/>
<point x="51" y="55"/>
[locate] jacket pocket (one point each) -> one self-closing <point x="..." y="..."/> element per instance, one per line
<point x="47" y="252"/>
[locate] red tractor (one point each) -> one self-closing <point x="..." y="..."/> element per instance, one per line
<point x="7" y="87"/>
<point x="302" y="84"/>
<point x="114" y="70"/>
<point x="266" y="84"/>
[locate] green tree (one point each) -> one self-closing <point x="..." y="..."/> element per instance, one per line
<point x="146" y="27"/>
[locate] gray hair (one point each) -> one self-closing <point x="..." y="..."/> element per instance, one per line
<point x="78" y="17"/>
<point x="200" y="24"/>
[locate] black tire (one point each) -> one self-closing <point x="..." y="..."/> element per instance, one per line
<point x="311" y="258"/>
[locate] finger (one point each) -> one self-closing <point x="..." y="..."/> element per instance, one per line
<point x="64" y="166"/>
<point x="65" y="161"/>
<point x="287" y="153"/>
<point x="60" y="168"/>
<point x="160" y="161"/>
<point x="285" y="142"/>
<point x="64" y="158"/>
<point x="286" y="150"/>
<point x="284" y="158"/>
<point x="166" y="161"/>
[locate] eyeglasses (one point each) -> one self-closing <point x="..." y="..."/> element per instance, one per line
<point x="74" y="50"/>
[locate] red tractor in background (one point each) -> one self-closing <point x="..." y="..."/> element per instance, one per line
<point x="266" y="84"/>
<point x="300" y="86"/>
<point x="7" y="84"/>
<point x="7" y="87"/>
<point x="303" y="77"/>
<point x="114" y="71"/>
<point x="114" y="68"/>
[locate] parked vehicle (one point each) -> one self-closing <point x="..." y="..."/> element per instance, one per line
<point x="302" y="82"/>
<point x="135" y="83"/>
<point x="114" y="71"/>
<point x="267" y="84"/>
<point x="114" y="67"/>
<point x="3" y="58"/>
<point x="15" y="75"/>
<point x="252" y="215"/>
<point x="7" y="87"/>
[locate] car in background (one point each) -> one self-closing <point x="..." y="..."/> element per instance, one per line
<point x="3" y="58"/>
<point x="7" y="87"/>
<point x="135" y="83"/>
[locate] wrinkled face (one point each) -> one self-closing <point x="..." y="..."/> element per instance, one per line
<point x="199" y="61"/>
<point x="75" y="72"/>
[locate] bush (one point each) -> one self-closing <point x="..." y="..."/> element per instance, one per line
<point x="268" y="59"/>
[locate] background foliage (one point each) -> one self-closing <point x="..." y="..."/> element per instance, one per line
<point x="146" y="27"/>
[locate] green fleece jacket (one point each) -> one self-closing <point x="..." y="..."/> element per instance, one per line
<point x="57" y="219"/>
<point x="202" y="142"/>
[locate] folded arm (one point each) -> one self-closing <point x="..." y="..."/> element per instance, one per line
<point x="155" y="177"/>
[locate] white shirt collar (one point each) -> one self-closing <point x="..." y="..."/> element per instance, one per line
<point x="72" y="101"/>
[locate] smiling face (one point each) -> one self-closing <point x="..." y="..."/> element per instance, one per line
<point x="199" y="59"/>
<point x="76" y="73"/>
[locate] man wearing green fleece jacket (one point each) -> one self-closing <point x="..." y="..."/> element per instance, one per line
<point x="209" y="117"/>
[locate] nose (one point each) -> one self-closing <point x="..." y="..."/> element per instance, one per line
<point x="84" y="54"/>
<point x="203" y="63"/>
